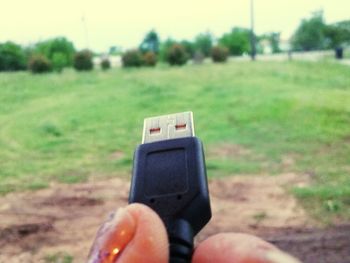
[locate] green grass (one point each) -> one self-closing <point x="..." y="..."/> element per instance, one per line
<point x="66" y="127"/>
<point x="59" y="257"/>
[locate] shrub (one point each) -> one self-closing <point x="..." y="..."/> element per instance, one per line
<point x="39" y="64"/>
<point x="12" y="57"/>
<point x="59" y="61"/>
<point x="83" y="60"/>
<point x="132" y="58"/>
<point x="219" y="54"/>
<point x="149" y="59"/>
<point x="177" y="55"/>
<point x="105" y="64"/>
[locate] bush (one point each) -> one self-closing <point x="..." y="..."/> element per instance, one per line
<point x="105" y="64"/>
<point x="149" y="59"/>
<point x="132" y="58"/>
<point x="177" y="55"/>
<point x="39" y="64"/>
<point x="83" y="60"/>
<point x="219" y="54"/>
<point x="12" y="57"/>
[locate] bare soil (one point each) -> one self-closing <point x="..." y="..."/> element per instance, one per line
<point x="65" y="218"/>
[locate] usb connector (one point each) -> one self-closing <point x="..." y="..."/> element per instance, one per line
<point x="169" y="176"/>
<point x="168" y="127"/>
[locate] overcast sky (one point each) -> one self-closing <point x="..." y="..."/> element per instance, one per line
<point x="124" y="23"/>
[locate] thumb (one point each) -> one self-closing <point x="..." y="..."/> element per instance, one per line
<point x="239" y="248"/>
<point x="133" y="234"/>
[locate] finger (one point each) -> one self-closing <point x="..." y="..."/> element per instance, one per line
<point x="239" y="248"/>
<point x="150" y="242"/>
<point x="133" y="234"/>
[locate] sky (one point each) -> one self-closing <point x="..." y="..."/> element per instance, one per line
<point x="100" y="24"/>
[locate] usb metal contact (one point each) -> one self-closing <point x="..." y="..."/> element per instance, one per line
<point x="166" y="127"/>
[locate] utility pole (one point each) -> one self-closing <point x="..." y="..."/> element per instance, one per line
<point x="252" y="34"/>
<point x="86" y="35"/>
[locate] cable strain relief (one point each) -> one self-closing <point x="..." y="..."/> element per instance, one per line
<point x="181" y="241"/>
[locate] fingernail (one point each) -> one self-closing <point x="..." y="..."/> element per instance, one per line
<point x="113" y="237"/>
<point x="277" y="256"/>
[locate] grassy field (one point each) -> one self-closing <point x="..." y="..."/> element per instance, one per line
<point x="72" y="126"/>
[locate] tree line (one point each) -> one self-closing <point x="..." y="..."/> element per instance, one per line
<point x="315" y="34"/>
<point x="57" y="53"/>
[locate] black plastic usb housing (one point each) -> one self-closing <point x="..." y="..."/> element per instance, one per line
<point x="169" y="176"/>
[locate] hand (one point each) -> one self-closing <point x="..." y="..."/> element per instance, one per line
<point x="136" y="234"/>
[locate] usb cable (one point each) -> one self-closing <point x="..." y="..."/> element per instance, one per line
<point x="169" y="176"/>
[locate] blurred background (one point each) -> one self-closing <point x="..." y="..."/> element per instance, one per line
<point x="269" y="85"/>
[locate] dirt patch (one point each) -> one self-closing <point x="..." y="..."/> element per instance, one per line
<point x="246" y="203"/>
<point x="65" y="218"/>
<point x="72" y="201"/>
<point x="74" y="211"/>
<point x="313" y="244"/>
<point x="15" y="233"/>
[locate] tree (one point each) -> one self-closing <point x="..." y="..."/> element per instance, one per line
<point x="338" y="34"/>
<point x="310" y="35"/>
<point x="12" y="57"/>
<point x="115" y="50"/>
<point x="150" y="42"/>
<point x="164" y="48"/>
<point x="59" y="45"/>
<point x="237" y="41"/>
<point x="189" y="47"/>
<point x="59" y="61"/>
<point x="273" y="39"/>
<point x="204" y="42"/>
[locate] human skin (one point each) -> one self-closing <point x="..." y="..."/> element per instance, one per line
<point x="136" y="234"/>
